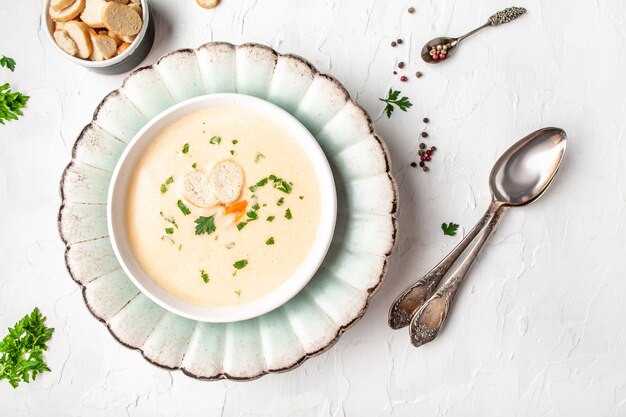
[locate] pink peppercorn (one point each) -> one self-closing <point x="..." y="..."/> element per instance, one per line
<point x="404" y="78"/>
<point x="441" y="56"/>
<point x="427" y="158"/>
<point x="429" y="152"/>
<point x="435" y="57"/>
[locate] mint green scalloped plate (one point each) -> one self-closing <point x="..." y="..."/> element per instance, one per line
<point x="338" y="294"/>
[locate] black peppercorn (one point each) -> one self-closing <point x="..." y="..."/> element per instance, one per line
<point x="413" y="164"/>
<point x="424" y="134"/>
<point x="422" y="164"/>
<point x="422" y="145"/>
<point x="426" y="120"/>
<point x="400" y="65"/>
<point x="399" y="41"/>
<point x="433" y="148"/>
<point x="393" y="44"/>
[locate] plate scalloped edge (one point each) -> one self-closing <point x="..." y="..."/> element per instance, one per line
<point x="361" y="166"/>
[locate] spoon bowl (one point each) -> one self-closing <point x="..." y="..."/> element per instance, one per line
<point x="428" y="57"/>
<point x="527" y="168"/>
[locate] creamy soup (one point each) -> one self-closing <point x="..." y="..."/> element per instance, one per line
<point x="222" y="247"/>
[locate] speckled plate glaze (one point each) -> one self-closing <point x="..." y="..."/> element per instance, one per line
<point x="338" y="294"/>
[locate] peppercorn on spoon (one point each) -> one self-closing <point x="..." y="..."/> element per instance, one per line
<point x="439" y="49"/>
<point x="519" y="177"/>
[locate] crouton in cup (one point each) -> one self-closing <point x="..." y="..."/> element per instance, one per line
<point x="130" y="50"/>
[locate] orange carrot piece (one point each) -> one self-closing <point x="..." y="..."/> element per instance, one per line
<point x="237" y="207"/>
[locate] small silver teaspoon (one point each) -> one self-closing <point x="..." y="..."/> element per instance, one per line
<point x="519" y="177"/>
<point x="439" y="49"/>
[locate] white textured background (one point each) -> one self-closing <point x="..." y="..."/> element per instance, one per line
<point x="538" y="329"/>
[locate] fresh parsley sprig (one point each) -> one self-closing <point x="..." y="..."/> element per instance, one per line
<point x="21" y="351"/>
<point x="403" y="103"/>
<point x="449" y="229"/>
<point x="11" y="103"/>
<point x="7" y="62"/>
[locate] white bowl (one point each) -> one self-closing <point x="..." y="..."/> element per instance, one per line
<point x="117" y="199"/>
<point x="123" y="62"/>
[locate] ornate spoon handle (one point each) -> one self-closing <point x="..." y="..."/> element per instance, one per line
<point x="429" y="320"/>
<point x="412" y="298"/>
<point x="497" y="19"/>
<point x="506" y="15"/>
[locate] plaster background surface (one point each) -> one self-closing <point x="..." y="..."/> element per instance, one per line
<point x="538" y="328"/>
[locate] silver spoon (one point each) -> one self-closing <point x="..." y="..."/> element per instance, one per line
<point x="444" y="46"/>
<point x="521" y="175"/>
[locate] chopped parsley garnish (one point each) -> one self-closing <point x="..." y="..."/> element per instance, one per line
<point x="270" y="218"/>
<point x="255" y="206"/>
<point x="194" y="165"/>
<point x="165" y="184"/>
<point x="205" y="225"/>
<point x="232" y="152"/>
<point x="21" y="350"/>
<point x="280" y="201"/>
<point x="269" y="241"/>
<point x="241" y="225"/>
<point x="238" y="292"/>
<point x="183" y="207"/>
<point x="285" y="187"/>
<point x="278" y="183"/>
<point x="230" y="245"/>
<point x="204" y="276"/>
<point x="288" y="214"/>
<point x="392" y="99"/>
<point x="281" y="184"/>
<point x="215" y="140"/>
<point x="449" y="229"/>
<point x="301" y="197"/>
<point x="234" y="141"/>
<point x="240" y="264"/>
<point x="169" y="230"/>
<point x="169" y="219"/>
<point x="252" y="215"/>
<point x="258" y="157"/>
<point x="186" y="148"/>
